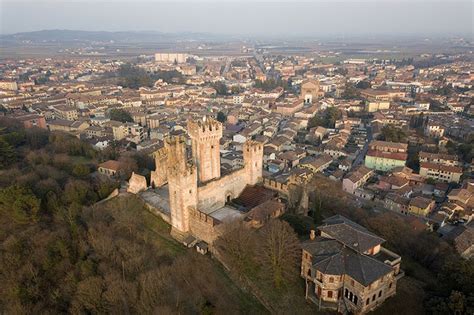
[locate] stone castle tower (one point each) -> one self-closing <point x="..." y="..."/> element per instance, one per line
<point x="182" y="183"/>
<point x="186" y="197"/>
<point x="253" y="160"/>
<point x="205" y="135"/>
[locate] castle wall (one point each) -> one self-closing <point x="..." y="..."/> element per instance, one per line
<point x="213" y="195"/>
<point x="203" y="226"/>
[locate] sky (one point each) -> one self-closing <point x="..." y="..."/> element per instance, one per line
<point x="244" y="17"/>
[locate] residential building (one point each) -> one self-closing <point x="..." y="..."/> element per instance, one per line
<point x="346" y="269"/>
<point x="110" y="168"/>
<point x="420" y="206"/>
<point x="384" y="156"/>
<point x="440" y="172"/>
<point x="357" y="178"/>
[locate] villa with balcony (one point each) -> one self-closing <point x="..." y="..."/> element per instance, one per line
<point x="346" y="269"/>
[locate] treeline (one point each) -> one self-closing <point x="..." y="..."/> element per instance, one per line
<point x="271" y="84"/>
<point x="47" y="172"/>
<point x="133" y="77"/>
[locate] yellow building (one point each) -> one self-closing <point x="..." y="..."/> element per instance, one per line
<point x="384" y="155"/>
<point x="420" y="206"/>
<point x="373" y="106"/>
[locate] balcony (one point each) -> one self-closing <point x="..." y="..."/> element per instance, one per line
<point x="388" y="257"/>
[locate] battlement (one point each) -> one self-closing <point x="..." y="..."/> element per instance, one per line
<point x="205" y="128"/>
<point x="203" y="217"/>
<point x="160" y="153"/>
<point x="253" y="146"/>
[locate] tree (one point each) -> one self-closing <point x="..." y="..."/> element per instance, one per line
<point x="7" y="153"/>
<point x="236" y="245"/>
<point x="220" y="88"/>
<point x="20" y="204"/>
<point x="279" y="251"/>
<point x="393" y="133"/>
<point x="120" y="115"/>
<point x="363" y="85"/>
<point x="80" y="170"/>
<point x="326" y="118"/>
<point x="221" y="117"/>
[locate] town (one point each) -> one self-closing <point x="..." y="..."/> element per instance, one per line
<point x="211" y="143"/>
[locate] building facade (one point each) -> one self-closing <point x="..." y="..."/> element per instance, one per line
<point x="346" y="269"/>
<point x="384" y="156"/>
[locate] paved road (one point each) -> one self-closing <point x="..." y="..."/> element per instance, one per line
<point x="227" y="65"/>
<point x="361" y="156"/>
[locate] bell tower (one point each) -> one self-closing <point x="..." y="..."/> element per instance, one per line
<point x="182" y="183"/>
<point x="205" y="135"/>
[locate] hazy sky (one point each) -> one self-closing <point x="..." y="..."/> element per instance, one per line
<point x="246" y="17"/>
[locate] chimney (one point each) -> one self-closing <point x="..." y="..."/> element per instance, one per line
<point x="312" y="235"/>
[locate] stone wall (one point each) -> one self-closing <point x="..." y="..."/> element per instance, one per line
<point x="136" y="183"/>
<point x="214" y="194"/>
<point x="203" y="226"/>
<point x="159" y="176"/>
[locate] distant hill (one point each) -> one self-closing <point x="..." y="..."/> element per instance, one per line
<point x="102" y="36"/>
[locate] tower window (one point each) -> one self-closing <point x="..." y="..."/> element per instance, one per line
<point x="212" y="147"/>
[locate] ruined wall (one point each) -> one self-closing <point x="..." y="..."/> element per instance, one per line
<point x="136" y="183"/>
<point x="159" y="176"/>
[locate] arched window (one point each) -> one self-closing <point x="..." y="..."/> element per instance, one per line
<point x="367" y="301"/>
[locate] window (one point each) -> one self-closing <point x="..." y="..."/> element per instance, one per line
<point x="352" y="282"/>
<point x="355" y="299"/>
<point x="373" y="298"/>
<point x="331" y="280"/>
<point x="346" y="293"/>
<point x="367" y="301"/>
<point x="380" y="293"/>
<point x="330" y="294"/>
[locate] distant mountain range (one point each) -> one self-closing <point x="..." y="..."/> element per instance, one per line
<point x="103" y="36"/>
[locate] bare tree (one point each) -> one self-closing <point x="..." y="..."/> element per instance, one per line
<point x="279" y="251"/>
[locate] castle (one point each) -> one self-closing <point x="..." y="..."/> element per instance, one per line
<point x="197" y="192"/>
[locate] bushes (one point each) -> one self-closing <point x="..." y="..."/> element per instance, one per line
<point x="19" y="204"/>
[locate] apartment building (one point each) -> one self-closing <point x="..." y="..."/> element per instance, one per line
<point x="384" y="155"/>
<point x="65" y="112"/>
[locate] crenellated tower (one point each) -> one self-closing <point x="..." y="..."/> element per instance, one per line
<point x="253" y="159"/>
<point x="205" y="135"/>
<point x="182" y="183"/>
